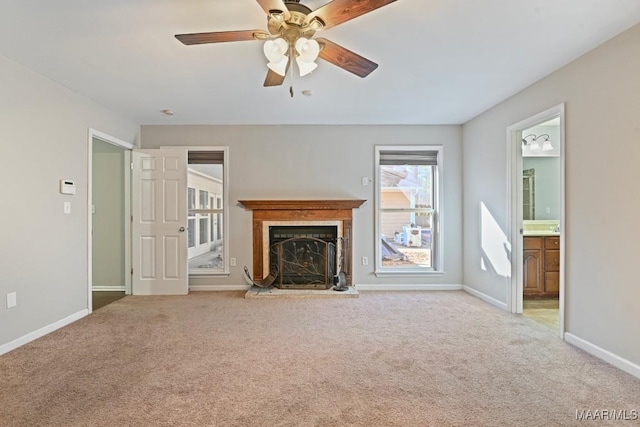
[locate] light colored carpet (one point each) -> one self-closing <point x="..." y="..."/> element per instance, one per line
<point x="384" y="359"/>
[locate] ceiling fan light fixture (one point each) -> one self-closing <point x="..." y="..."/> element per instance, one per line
<point x="308" y="49"/>
<point x="280" y="67"/>
<point x="276" y="49"/>
<point x="305" y="67"/>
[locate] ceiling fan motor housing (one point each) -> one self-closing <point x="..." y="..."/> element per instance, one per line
<point x="294" y="27"/>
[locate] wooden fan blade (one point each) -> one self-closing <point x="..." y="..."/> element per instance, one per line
<point x="269" y="5"/>
<point x="345" y="59"/>
<point x="275" y="79"/>
<point x="221" y="36"/>
<point x="339" y="11"/>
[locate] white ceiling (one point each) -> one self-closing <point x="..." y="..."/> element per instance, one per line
<point x="441" y="61"/>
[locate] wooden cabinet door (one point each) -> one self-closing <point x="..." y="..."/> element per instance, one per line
<point x="551" y="260"/>
<point x="552" y="283"/>
<point x="533" y="280"/>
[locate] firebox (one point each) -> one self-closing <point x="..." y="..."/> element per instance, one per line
<point x="304" y="256"/>
<point x="327" y="212"/>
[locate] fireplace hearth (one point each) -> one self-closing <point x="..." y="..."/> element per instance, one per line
<point x="307" y="242"/>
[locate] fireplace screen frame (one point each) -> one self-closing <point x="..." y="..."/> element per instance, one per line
<point x="266" y="247"/>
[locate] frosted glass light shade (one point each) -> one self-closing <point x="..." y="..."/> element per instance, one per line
<point x="308" y="49"/>
<point x="274" y="50"/>
<point x="305" y="67"/>
<point x="279" y="67"/>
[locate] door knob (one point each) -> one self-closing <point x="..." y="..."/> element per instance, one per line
<point x="181" y="229"/>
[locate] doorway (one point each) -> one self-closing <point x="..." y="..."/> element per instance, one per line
<point x="108" y="226"/>
<point x="537" y="217"/>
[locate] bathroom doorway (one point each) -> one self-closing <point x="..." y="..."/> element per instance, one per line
<point x="536" y="153"/>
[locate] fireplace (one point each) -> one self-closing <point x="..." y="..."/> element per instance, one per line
<point x="304" y="256"/>
<point x="307" y="242"/>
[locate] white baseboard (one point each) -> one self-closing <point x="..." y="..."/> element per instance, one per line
<point x="486" y="298"/>
<point x="613" y="359"/>
<point x="400" y="287"/>
<point x="32" y="336"/>
<point x="198" y="288"/>
<point x="108" y="288"/>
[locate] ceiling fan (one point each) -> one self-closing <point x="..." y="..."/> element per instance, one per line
<point x="291" y="26"/>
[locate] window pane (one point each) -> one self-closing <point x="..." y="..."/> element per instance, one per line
<point x="192" y="232"/>
<point x="191" y="198"/>
<point x="404" y="186"/>
<point x="404" y="244"/>
<point x="204" y="230"/>
<point x="204" y="199"/>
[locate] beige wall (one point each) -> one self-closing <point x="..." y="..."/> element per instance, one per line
<point x="44" y="134"/>
<point x="602" y="95"/>
<point x="317" y="162"/>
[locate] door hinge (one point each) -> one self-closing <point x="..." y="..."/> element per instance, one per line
<point x="132" y="271"/>
<point x="131" y="218"/>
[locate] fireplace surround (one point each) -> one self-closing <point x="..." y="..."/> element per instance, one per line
<point x="268" y="214"/>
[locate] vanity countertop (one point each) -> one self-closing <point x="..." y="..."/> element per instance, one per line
<point x="541" y="228"/>
<point x="540" y="233"/>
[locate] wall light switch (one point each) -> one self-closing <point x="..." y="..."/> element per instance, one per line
<point x="12" y="300"/>
<point x="67" y="207"/>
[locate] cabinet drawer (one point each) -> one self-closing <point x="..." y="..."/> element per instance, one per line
<point x="551" y="260"/>
<point x="552" y="243"/>
<point x="532" y="242"/>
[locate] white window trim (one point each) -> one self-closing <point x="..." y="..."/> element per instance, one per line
<point x="438" y="217"/>
<point x="225" y="208"/>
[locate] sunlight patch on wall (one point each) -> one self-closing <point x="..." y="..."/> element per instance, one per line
<point x="496" y="249"/>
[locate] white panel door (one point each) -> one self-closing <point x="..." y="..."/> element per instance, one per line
<point x="159" y="207"/>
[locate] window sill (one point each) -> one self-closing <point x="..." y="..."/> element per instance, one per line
<point x="209" y="273"/>
<point x="409" y="273"/>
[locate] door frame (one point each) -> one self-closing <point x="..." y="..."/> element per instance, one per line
<point x="514" y="215"/>
<point x="127" y="196"/>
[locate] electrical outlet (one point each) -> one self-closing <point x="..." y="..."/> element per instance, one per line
<point x="12" y="300"/>
<point x="365" y="260"/>
<point x="232" y="262"/>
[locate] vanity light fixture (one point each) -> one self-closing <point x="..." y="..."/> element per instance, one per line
<point x="531" y="140"/>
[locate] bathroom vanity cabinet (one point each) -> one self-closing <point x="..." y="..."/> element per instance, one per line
<point x="541" y="266"/>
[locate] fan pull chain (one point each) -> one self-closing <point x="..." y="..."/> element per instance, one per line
<point x="291" y="55"/>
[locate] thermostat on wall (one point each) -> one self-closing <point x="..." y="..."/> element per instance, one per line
<point x="67" y="187"/>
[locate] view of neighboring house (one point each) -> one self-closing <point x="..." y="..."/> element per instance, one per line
<point x="205" y="225"/>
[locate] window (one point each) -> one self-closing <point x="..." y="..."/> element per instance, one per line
<point x="206" y="181"/>
<point x="204" y="199"/>
<point x="407" y="209"/>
